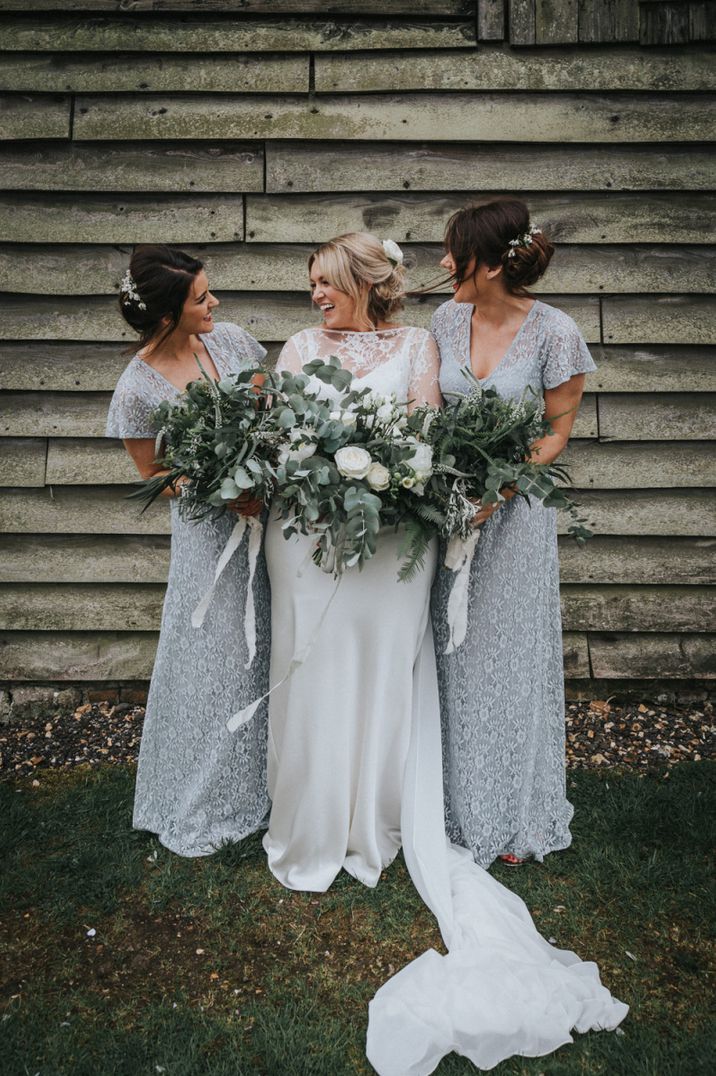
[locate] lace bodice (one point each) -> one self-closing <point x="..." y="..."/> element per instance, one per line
<point x="404" y="360"/>
<point x="547" y="350"/>
<point x="141" y="388"/>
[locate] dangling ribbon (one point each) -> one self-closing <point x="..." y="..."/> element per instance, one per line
<point x="255" y="529"/>
<point x="242" y="716"/>
<point x="458" y="558"/>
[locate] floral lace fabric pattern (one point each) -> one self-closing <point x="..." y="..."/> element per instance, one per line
<point x="403" y="360"/>
<point x="199" y="785"/>
<point x="502" y="692"/>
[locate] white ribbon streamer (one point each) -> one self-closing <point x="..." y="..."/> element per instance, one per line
<point x="458" y="558"/>
<point x="255" y="529"/>
<point x="242" y="716"/>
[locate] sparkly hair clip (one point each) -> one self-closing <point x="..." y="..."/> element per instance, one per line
<point x="524" y="240"/>
<point x="128" y="288"/>
<point x="392" y="252"/>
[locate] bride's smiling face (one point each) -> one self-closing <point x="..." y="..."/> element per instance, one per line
<point x="338" y="308"/>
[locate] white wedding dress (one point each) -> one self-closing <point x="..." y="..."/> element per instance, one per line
<point x="355" y="770"/>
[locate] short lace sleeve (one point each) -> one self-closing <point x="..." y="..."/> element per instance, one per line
<point x="240" y="347"/>
<point x="424" y="379"/>
<point x="564" y="351"/>
<point x="294" y="354"/>
<point x="131" y="409"/>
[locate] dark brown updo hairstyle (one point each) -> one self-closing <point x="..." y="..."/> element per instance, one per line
<point x="155" y="287"/>
<point x="495" y="234"/>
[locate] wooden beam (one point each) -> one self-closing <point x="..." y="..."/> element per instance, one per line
<point x="525" y="117"/>
<point x="644" y="608"/>
<point x="671" y="465"/>
<point x="231" y="167"/>
<point x="490" y="20"/>
<point x="76" y="656"/>
<point x="22" y="461"/>
<point x="131" y="72"/>
<point x="659" y="416"/>
<point x="500" y="67"/>
<point x="83" y="558"/>
<point x="649" y="657"/>
<point x="205" y="35"/>
<point x="646" y="512"/>
<point x="72" y="510"/>
<point x="556" y="22"/>
<point x="134" y="218"/>
<point x="608" y="20"/>
<point x="34" y="117"/>
<point x="637" y="560"/>
<point x="678" y="319"/>
<point x="295" y="167"/>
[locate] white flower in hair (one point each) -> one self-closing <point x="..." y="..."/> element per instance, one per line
<point x="524" y="240"/>
<point x="129" y="288"/>
<point x="392" y="251"/>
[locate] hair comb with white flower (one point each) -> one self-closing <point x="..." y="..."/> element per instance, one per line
<point x="392" y="252"/>
<point x="128" y="288"/>
<point x="524" y="240"/>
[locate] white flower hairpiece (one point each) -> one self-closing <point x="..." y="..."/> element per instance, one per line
<point x="524" y="240"/>
<point x="392" y="252"/>
<point x="128" y="287"/>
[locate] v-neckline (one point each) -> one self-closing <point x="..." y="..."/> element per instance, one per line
<point x="166" y="380"/>
<point x="510" y="346"/>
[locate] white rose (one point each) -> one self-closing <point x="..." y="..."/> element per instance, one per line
<point x="385" y="412"/>
<point x="407" y="482"/>
<point x="392" y="251"/>
<point x="378" y="477"/>
<point x="353" y="461"/>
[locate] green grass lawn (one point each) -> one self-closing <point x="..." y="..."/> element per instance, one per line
<point x="209" y="967"/>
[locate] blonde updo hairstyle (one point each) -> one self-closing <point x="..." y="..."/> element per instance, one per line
<point x="356" y="264"/>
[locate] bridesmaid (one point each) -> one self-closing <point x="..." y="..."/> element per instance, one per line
<point x="198" y="785"/>
<point x="502" y="692"/>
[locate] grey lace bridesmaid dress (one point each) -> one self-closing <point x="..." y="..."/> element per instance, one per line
<point x="199" y="785"/>
<point x="502" y="691"/>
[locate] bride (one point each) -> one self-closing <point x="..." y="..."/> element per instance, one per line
<point x="354" y="755"/>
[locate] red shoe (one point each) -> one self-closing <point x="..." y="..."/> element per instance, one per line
<point x="511" y="860"/>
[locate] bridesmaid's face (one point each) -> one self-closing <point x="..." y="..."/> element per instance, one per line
<point x="337" y="307"/>
<point x="197" y="312"/>
<point x="477" y="279"/>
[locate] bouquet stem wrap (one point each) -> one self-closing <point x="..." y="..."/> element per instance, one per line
<point x="255" y="529"/>
<point x="458" y="558"/>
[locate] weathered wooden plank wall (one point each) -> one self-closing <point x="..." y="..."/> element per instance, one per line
<point x="250" y="131"/>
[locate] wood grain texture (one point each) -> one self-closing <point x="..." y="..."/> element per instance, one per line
<point x="678" y="319"/>
<point x="204" y="35"/>
<point x="241" y="7"/>
<point x="135" y="218"/>
<point x="556" y="22"/>
<point x="80" y="607"/>
<point x="671" y="465"/>
<point x="649" y="657"/>
<point x="503" y="68"/>
<point x="132" y="73"/>
<point x="522" y="22"/>
<point x="97" y="269"/>
<point x="657" y="417"/>
<point x="83" y="558"/>
<point x="651" y="369"/>
<point x="72" y="510"/>
<point x="22" y="462"/>
<point x="644" y="608"/>
<point x="232" y="167"/>
<point x="415" y="218"/>
<point x="310" y="166"/>
<point x="76" y="656"/>
<point x="684" y="512"/>
<point x="608" y="20"/>
<point x="267" y="316"/>
<point x="527" y="117"/>
<point x="26" y="116"/>
<point x="636" y="560"/>
<point x="490" y="20"/>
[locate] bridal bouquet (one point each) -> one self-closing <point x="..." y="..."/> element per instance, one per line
<point x="218" y="435"/>
<point x="351" y="466"/>
<point x="481" y="443"/>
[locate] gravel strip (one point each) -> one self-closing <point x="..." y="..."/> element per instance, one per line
<point x="599" y="733"/>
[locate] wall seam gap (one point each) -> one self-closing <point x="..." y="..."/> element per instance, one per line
<point x="71" y="135"/>
<point x="311" y="77"/>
